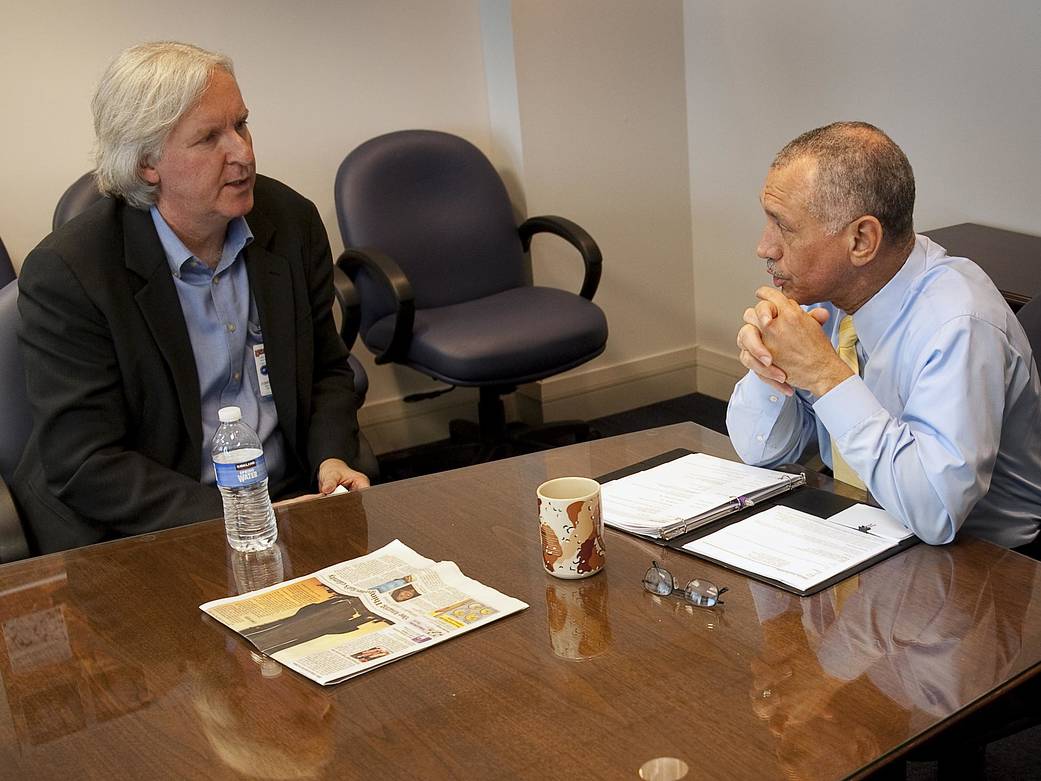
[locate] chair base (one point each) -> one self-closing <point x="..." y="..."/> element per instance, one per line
<point x="465" y="448"/>
<point x="499" y="439"/>
<point x="489" y="439"/>
<point x="516" y="439"/>
<point x="427" y="459"/>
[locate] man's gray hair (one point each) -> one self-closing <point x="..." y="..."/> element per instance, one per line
<point x="860" y="171"/>
<point x="141" y="96"/>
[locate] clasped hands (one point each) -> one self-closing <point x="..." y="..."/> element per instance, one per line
<point x="787" y="348"/>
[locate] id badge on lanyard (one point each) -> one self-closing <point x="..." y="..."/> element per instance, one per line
<point x="263" y="381"/>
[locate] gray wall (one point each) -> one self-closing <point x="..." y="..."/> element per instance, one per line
<point x="954" y="82"/>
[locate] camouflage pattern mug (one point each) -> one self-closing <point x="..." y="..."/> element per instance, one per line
<point x="571" y="528"/>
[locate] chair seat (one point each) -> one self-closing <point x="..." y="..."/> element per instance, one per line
<point x="516" y="336"/>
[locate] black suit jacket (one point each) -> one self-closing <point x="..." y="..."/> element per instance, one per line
<point x="112" y="378"/>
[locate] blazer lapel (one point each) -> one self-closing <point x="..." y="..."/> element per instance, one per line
<point x="271" y="282"/>
<point x="161" y="308"/>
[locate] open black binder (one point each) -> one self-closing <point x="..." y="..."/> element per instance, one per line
<point x="811" y="500"/>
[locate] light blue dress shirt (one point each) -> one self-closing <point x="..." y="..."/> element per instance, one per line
<point x="944" y="422"/>
<point x="223" y="326"/>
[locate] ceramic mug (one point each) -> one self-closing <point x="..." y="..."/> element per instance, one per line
<point x="571" y="527"/>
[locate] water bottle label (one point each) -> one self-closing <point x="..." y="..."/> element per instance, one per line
<point x="241" y="474"/>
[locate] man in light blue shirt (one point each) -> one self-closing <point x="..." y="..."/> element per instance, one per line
<point x="941" y="418"/>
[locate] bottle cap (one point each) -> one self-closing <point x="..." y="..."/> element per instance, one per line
<point x="229" y="414"/>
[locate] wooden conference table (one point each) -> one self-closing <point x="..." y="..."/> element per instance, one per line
<point x="111" y="671"/>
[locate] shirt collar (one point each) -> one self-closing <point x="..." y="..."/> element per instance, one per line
<point x="238" y="237"/>
<point x="875" y="316"/>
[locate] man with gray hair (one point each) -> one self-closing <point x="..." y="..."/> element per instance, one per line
<point x="199" y="284"/>
<point x="905" y="365"/>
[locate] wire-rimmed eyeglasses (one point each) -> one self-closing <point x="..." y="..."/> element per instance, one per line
<point x="700" y="593"/>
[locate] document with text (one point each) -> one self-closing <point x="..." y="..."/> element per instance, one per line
<point x="680" y="495"/>
<point x="799" y="549"/>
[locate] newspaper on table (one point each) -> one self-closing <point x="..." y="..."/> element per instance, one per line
<point x="351" y="617"/>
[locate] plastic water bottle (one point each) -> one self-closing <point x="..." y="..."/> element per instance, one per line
<point x="238" y="462"/>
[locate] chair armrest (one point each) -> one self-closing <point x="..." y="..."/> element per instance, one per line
<point x="346" y="295"/>
<point x="13" y="545"/>
<point x="384" y="270"/>
<point x="576" y="236"/>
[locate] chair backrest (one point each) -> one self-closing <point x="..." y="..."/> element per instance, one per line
<point x="15" y="413"/>
<point x="81" y="194"/>
<point x="15" y="424"/>
<point x="436" y="205"/>
<point x="6" y="266"/>
<point x="1030" y="316"/>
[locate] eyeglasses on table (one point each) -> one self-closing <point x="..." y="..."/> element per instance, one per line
<point x="700" y="593"/>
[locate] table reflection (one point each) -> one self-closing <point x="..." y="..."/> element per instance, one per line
<point x="577" y="618"/>
<point x="252" y="570"/>
<point x="904" y="666"/>
<point x="232" y="702"/>
<point x="62" y="673"/>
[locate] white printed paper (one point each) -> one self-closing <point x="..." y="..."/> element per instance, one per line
<point x="678" y="490"/>
<point x="872" y="519"/>
<point x="790" y="546"/>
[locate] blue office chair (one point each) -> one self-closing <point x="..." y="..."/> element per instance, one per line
<point x="346" y="313"/>
<point x="84" y="192"/>
<point x="15" y="423"/>
<point x="6" y="266"/>
<point x="444" y="284"/>
<point x="80" y="194"/>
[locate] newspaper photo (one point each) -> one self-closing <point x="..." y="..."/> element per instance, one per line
<point x="348" y="618"/>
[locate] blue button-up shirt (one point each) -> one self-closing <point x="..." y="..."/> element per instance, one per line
<point x="223" y="326"/>
<point x="944" y="421"/>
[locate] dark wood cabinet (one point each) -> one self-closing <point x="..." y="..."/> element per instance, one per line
<point x="1013" y="260"/>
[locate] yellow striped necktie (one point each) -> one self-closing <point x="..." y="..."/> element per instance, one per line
<point x="847" y="350"/>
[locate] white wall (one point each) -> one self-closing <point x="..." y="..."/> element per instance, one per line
<point x="582" y="110"/>
<point x="603" y="128"/>
<point x="954" y="82"/>
<point x="318" y="77"/>
<point x="586" y="111"/>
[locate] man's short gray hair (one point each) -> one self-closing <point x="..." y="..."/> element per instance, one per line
<point x="141" y="96"/>
<point x="860" y="171"/>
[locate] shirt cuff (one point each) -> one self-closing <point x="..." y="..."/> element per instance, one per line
<point x="846" y="406"/>
<point x="761" y="393"/>
<point x="752" y="416"/>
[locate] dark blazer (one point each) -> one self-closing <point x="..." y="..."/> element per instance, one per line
<point x="112" y="379"/>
